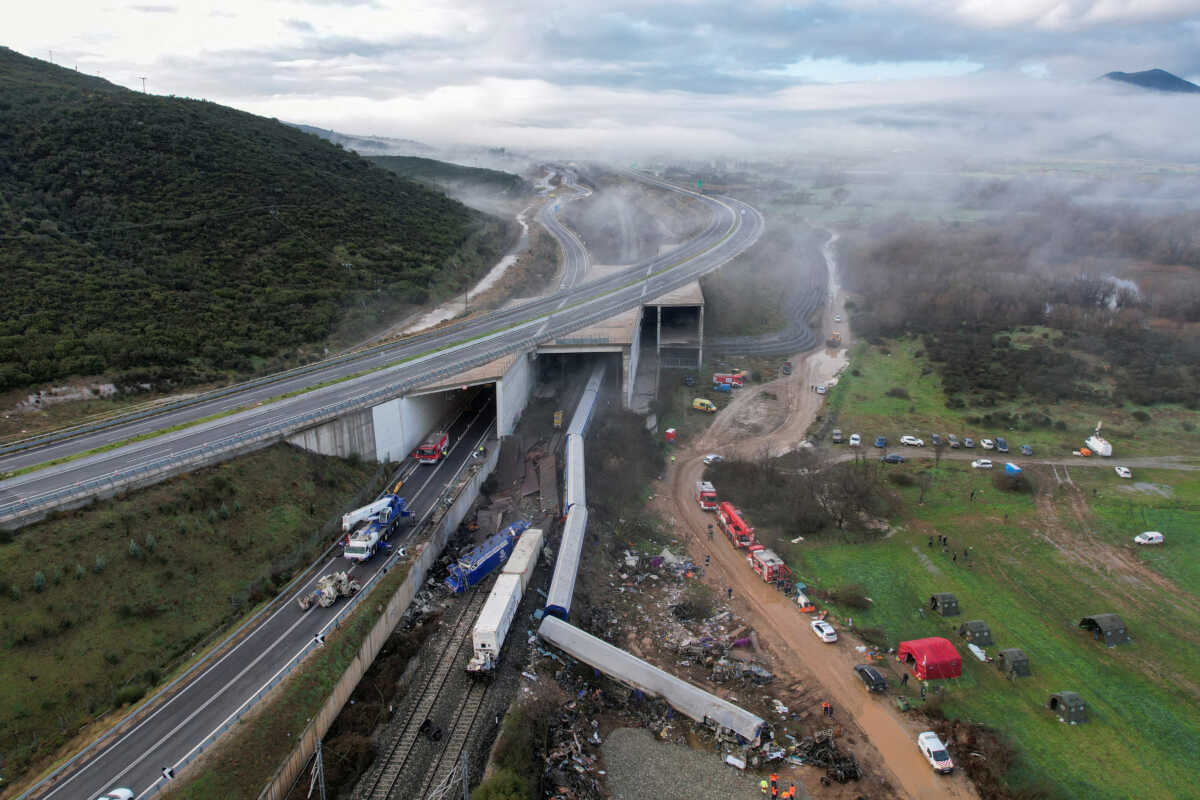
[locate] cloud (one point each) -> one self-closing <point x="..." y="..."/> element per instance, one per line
<point x="155" y="9"/>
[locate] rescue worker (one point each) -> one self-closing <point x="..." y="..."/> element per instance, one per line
<point x="774" y="792"/>
<point x="825" y="708"/>
<point x="792" y="791"/>
<point x="774" y="780"/>
<point x="762" y="787"/>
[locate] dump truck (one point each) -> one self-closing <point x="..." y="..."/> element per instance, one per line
<point x="706" y="495"/>
<point x="329" y="588"/>
<point x="701" y="404"/>
<point x="834" y="340"/>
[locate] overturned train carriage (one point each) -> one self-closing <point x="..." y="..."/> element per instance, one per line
<point x="638" y="674"/>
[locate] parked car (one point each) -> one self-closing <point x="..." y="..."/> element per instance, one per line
<point x="722" y="387"/>
<point x="935" y="752"/>
<point x="836" y="436"/>
<point x="987" y="444"/>
<point x="953" y="441"/>
<point x="855" y="440"/>
<point x="787" y="368"/>
<point x="820" y="388"/>
<point x="689" y="380"/>
<point x="871" y="678"/>
<point x="1001" y="445"/>
<point x="837" y="317"/>
<point x="969" y="443"/>
<point x="982" y="463"/>
<point x="893" y="458"/>
<point x="1026" y="450"/>
<point x="823" y="630"/>
<point x="881" y="441"/>
<point x="1149" y="537"/>
<point x="713" y="458"/>
<point x="934" y="439"/>
<point x="911" y="441"/>
<point x="1124" y="472"/>
<point x="117" y="794"/>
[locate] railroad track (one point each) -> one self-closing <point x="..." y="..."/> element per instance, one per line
<point x="398" y="756"/>
<point x="464" y="723"/>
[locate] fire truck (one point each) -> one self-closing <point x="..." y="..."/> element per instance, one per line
<point x="706" y="495"/>
<point x="433" y="449"/>
<point x="729" y="378"/>
<point x="767" y="564"/>
<point x="740" y="534"/>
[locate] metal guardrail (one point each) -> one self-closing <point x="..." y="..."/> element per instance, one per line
<point x="287" y="669"/>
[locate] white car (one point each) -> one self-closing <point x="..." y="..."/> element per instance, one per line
<point x="987" y="444"/>
<point x="117" y="794"/>
<point x="1124" y="472"/>
<point x="912" y="441"/>
<point x="820" y="388"/>
<point x="855" y="440"/>
<point x="982" y="463"/>
<point x="823" y="630"/>
<point x="837" y="317"/>
<point x="1149" y="537"/>
<point x="713" y="458"/>
<point x="935" y="752"/>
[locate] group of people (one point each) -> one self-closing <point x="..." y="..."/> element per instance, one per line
<point x="772" y="788"/>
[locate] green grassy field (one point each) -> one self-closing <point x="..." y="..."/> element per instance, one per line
<point x="860" y="403"/>
<point x="97" y="606"/>
<point x="1037" y="564"/>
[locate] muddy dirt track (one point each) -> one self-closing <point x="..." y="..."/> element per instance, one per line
<point x="883" y="740"/>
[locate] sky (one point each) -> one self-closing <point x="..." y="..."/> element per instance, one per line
<point x="690" y="76"/>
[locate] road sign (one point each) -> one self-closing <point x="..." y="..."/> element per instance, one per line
<point x="699" y="184"/>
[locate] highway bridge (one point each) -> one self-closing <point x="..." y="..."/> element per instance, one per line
<point x="379" y="401"/>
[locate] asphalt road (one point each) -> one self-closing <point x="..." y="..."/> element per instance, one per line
<point x="172" y="731"/>
<point x="734" y="226"/>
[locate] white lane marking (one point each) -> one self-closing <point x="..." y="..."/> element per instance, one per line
<point x="542" y="329"/>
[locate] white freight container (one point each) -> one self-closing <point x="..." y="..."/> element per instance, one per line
<point x="525" y="556"/>
<point x="494" y="620"/>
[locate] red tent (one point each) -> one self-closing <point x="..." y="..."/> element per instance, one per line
<point x="931" y="658"/>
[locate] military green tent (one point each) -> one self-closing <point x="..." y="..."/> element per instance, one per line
<point x="944" y="603"/>
<point x="1013" y="663"/>
<point x="976" y="632"/>
<point x="1069" y="707"/>
<point x="1108" y="628"/>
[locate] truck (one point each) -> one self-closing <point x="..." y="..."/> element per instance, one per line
<point x="364" y="540"/>
<point x="328" y="589"/>
<point x="353" y="518"/>
<point x="733" y="379"/>
<point x="767" y="564"/>
<point x="706" y="495"/>
<point x="479" y="562"/>
<point x="834" y="340"/>
<point x="740" y="534"/>
<point x="491" y="628"/>
<point x="702" y="404"/>
<point x="1098" y="444"/>
<point x="433" y="449"/>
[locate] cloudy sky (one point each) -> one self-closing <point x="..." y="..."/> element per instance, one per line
<point x="691" y="75"/>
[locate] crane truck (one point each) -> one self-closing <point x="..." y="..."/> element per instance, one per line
<point x="740" y="534"/>
<point x="374" y="527"/>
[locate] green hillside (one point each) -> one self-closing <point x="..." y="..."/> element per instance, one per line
<point x="165" y="241"/>
<point x="452" y="176"/>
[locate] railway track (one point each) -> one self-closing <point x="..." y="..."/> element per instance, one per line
<point x="398" y="756"/>
<point x="464" y="722"/>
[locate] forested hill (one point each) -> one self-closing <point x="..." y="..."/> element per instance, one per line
<point x="165" y="241"/>
<point x="452" y="176"/>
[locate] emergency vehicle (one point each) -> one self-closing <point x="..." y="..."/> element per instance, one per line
<point x="433" y="449"/>
<point x="740" y="534"/>
<point x="706" y="495"/>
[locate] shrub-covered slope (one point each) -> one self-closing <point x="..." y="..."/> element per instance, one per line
<point x="164" y="240"/>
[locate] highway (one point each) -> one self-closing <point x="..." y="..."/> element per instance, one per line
<point x="169" y="734"/>
<point x="734" y="226"/>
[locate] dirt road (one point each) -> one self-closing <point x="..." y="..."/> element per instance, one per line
<point x="741" y="429"/>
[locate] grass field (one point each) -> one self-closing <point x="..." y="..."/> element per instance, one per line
<point x="1038" y="562"/>
<point x="97" y="606"/>
<point x="860" y="403"/>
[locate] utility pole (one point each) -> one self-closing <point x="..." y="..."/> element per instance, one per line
<point x="143" y="80"/>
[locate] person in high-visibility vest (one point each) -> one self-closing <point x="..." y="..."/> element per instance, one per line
<point x="774" y="792"/>
<point x="774" y="779"/>
<point x="762" y="787"/>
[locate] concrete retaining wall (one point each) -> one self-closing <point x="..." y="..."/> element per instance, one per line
<point x="400" y="424"/>
<point x="351" y="434"/>
<point x="277" y="788"/>
<point x="512" y="393"/>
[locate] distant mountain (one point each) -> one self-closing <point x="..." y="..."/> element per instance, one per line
<point x="366" y="145"/>
<point x="1157" y="79"/>
<point x="159" y="240"/>
<point x="489" y="190"/>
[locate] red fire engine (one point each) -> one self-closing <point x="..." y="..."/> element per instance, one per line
<point x="731" y="378"/>
<point x="739" y="533"/>
<point x="433" y="449"/>
<point x="767" y="564"/>
<point x="706" y="495"/>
